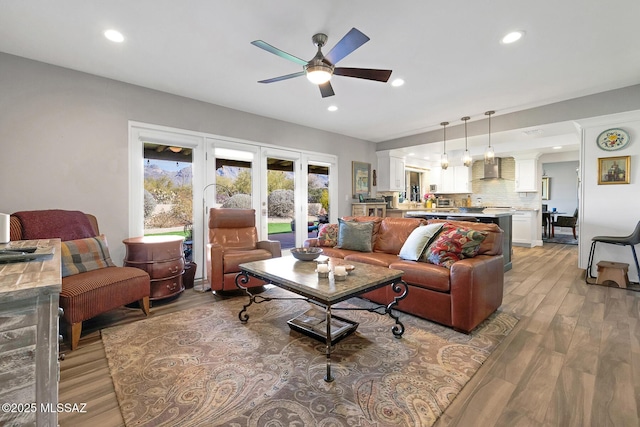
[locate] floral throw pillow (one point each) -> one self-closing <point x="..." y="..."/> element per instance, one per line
<point x="453" y="244"/>
<point x="328" y="235"/>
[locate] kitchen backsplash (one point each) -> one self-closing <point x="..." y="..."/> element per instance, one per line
<point x="499" y="192"/>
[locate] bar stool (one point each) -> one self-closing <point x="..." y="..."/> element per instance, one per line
<point x="630" y="240"/>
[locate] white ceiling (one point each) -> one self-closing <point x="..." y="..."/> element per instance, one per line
<point x="448" y="53"/>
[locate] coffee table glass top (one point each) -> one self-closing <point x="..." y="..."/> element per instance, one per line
<point x="301" y="277"/>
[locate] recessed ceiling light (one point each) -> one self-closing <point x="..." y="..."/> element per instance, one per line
<point x="332" y="108"/>
<point x="512" y="37"/>
<point x="397" y="83"/>
<point x="114" y="36"/>
<point x="426" y="157"/>
<point x="557" y="147"/>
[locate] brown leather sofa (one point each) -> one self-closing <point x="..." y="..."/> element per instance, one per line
<point x="460" y="297"/>
<point x="88" y="294"/>
<point x="233" y="239"/>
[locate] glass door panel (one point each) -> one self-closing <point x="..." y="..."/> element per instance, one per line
<point x="281" y="204"/>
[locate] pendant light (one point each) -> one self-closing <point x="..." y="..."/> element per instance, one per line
<point x="466" y="158"/>
<point x="489" y="155"/>
<point x="444" y="160"/>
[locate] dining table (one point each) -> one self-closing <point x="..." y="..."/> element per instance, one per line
<point x="548" y="218"/>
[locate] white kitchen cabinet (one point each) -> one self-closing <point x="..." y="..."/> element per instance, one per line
<point x="461" y="179"/>
<point x="524" y="229"/>
<point x="390" y="172"/>
<point x="526" y="175"/>
<point x="453" y="180"/>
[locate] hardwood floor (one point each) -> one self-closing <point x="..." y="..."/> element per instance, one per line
<point x="572" y="360"/>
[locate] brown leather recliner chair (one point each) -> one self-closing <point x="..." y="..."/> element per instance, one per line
<point x="233" y="240"/>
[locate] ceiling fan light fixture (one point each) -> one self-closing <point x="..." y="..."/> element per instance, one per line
<point x="318" y="73"/>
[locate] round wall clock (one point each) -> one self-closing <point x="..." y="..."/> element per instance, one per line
<point x="613" y="139"/>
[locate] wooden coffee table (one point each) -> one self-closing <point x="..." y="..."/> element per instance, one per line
<point x="301" y="278"/>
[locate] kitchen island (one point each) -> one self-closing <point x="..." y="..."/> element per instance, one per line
<point x="503" y="219"/>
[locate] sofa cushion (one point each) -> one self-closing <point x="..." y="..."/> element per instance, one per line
<point x="424" y="275"/>
<point x="355" y="235"/>
<point x="453" y="244"/>
<point x="82" y="255"/>
<point x="393" y="233"/>
<point x="372" y="258"/>
<point x="418" y="240"/>
<point x="328" y="235"/>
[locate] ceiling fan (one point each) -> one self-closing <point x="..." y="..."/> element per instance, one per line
<point x="321" y="67"/>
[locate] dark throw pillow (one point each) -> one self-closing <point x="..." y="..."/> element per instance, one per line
<point x="355" y="236"/>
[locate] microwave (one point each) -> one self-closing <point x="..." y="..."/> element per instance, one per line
<point x="444" y="203"/>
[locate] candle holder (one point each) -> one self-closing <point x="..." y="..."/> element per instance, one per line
<point x="340" y="277"/>
<point x="323" y="275"/>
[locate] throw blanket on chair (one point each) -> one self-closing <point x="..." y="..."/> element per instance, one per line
<point x="55" y="223"/>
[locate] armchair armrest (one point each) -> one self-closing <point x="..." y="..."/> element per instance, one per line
<point x="215" y="263"/>
<point x="476" y="290"/>
<point x="272" y="246"/>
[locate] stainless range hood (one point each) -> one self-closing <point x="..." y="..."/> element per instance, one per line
<point x="493" y="171"/>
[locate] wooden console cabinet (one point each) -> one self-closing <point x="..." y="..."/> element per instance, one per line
<point x="162" y="258"/>
<point x="369" y="209"/>
<point x="29" y="368"/>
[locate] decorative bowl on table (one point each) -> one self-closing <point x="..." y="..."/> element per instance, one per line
<point x="306" y="254"/>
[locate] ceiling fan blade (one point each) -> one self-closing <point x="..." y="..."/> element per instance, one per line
<point x="286" y="77"/>
<point x="326" y="89"/>
<point x="363" y="73"/>
<point x="282" y="54"/>
<point x="350" y="42"/>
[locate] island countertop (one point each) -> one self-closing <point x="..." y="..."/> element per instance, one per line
<point x="431" y="214"/>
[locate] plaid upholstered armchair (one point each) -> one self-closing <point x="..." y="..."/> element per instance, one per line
<point x="566" y="221"/>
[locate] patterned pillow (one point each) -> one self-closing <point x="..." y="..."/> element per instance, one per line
<point x="79" y="256"/>
<point x="453" y="244"/>
<point x="328" y="235"/>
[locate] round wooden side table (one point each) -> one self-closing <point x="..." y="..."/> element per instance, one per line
<point x="162" y="258"/>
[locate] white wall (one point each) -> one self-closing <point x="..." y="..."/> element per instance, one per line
<point x="563" y="186"/>
<point x="611" y="210"/>
<point x="64" y="139"/>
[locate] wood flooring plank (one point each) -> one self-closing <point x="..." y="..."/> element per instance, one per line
<point x="614" y="403"/>
<point x="486" y="404"/>
<point x="560" y="332"/>
<point x="570" y="404"/>
<point x="534" y="390"/>
<point x="510" y="366"/>
<point x="583" y="351"/>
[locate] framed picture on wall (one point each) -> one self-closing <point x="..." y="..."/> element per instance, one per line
<point x="614" y="170"/>
<point x="545" y="188"/>
<point x="361" y="179"/>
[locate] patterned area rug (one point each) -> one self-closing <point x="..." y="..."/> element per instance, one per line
<point x="204" y="367"/>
